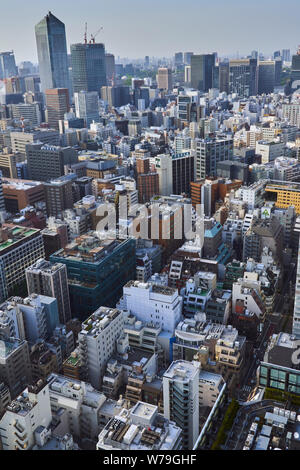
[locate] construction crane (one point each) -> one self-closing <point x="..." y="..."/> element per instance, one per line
<point x="85" y="34"/>
<point x="93" y="36"/>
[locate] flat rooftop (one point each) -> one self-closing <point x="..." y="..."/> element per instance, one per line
<point x="12" y="234"/>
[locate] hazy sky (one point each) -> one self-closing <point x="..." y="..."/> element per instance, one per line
<point x="135" y="28"/>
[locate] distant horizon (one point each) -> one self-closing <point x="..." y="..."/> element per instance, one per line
<point x="158" y="30"/>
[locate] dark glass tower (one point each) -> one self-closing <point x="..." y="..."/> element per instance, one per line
<point x="52" y="53"/>
<point x="88" y="67"/>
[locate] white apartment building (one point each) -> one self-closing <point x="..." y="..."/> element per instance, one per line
<point x="97" y="341"/>
<point x="181" y="399"/>
<point x="163" y="166"/>
<point x="23" y="416"/>
<point x="152" y="303"/>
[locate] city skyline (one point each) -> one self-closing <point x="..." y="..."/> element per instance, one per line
<point x="160" y="20"/>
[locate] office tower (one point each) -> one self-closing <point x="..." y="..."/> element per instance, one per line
<point x="57" y="104"/>
<point x="87" y="106"/>
<point x="32" y="84"/>
<point x="291" y="112"/>
<point x="164" y="78"/>
<point x="211" y="151"/>
<point x="254" y="55"/>
<point x="276" y="55"/>
<point x="202" y="71"/>
<point x="183" y="171"/>
<point x="147" y="181"/>
<point x="59" y="196"/>
<point x="52" y="53"/>
<point x="224" y="77"/>
<point x="286" y="55"/>
<point x="97" y="271"/>
<point x="141" y="93"/>
<point x="97" y="341"/>
<point x="181" y="399"/>
<point x="50" y="280"/>
<point x="7" y="65"/>
<point x="47" y="162"/>
<point x="110" y="67"/>
<point x="20" y="247"/>
<point x="88" y="67"/>
<point x="115" y="96"/>
<point x="19" y="140"/>
<point x="243" y="77"/>
<point x="30" y="112"/>
<point x="15" y="369"/>
<point x="296" y="317"/>
<point x="147" y="61"/>
<point x="153" y="303"/>
<point x="296" y="66"/>
<point x="134" y="127"/>
<point x="266" y="76"/>
<point x="163" y="166"/>
<point x="178" y="59"/>
<point x="187" y="58"/>
<point x="187" y="75"/>
<point x="278" y="70"/>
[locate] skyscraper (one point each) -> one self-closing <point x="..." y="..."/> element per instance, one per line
<point x="202" y="71"/>
<point x="110" y="67"/>
<point x="88" y="67"/>
<point x="164" y="78"/>
<point x="52" y="53"/>
<point x="87" y="106"/>
<point x="57" y="104"/>
<point x="7" y="65"/>
<point x="243" y="77"/>
<point x="296" y="66"/>
<point x="50" y="280"/>
<point x="266" y="76"/>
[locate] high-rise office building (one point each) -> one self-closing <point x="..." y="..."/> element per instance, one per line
<point x="286" y="55"/>
<point x="296" y="66"/>
<point x="47" y="162"/>
<point x="224" y="77"/>
<point x="115" y="95"/>
<point x="88" y="67"/>
<point x="87" y="106"/>
<point x="178" y="59"/>
<point x="211" y="151"/>
<point x="57" y="104"/>
<point x="50" y="280"/>
<point x="181" y="399"/>
<point x="243" y="77"/>
<point x="202" y="71"/>
<point x="97" y="271"/>
<point x="59" y="196"/>
<point x="110" y="67"/>
<point x="52" y="53"/>
<point x="278" y="70"/>
<point x="266" y="76"/>
<point x="187" y="58"/>
<point x="7" y="65"/>
<point x="164" y="78"/>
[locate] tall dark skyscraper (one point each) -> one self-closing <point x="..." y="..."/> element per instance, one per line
<point x="88" y="67"/>
<point x="8" y="67"/>
<point x="52" y="53"/>
<point x="202" y="71"/>
<point x="266" y="76"/>
<point x="296" y="66"/>
<point x="243" y="77"/>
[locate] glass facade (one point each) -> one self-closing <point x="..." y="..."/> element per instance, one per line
<point x="92" y="285"/>
<point x="88" y="67"/>
<point x="280" y="378"/>
<point x="52" y="53"/>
